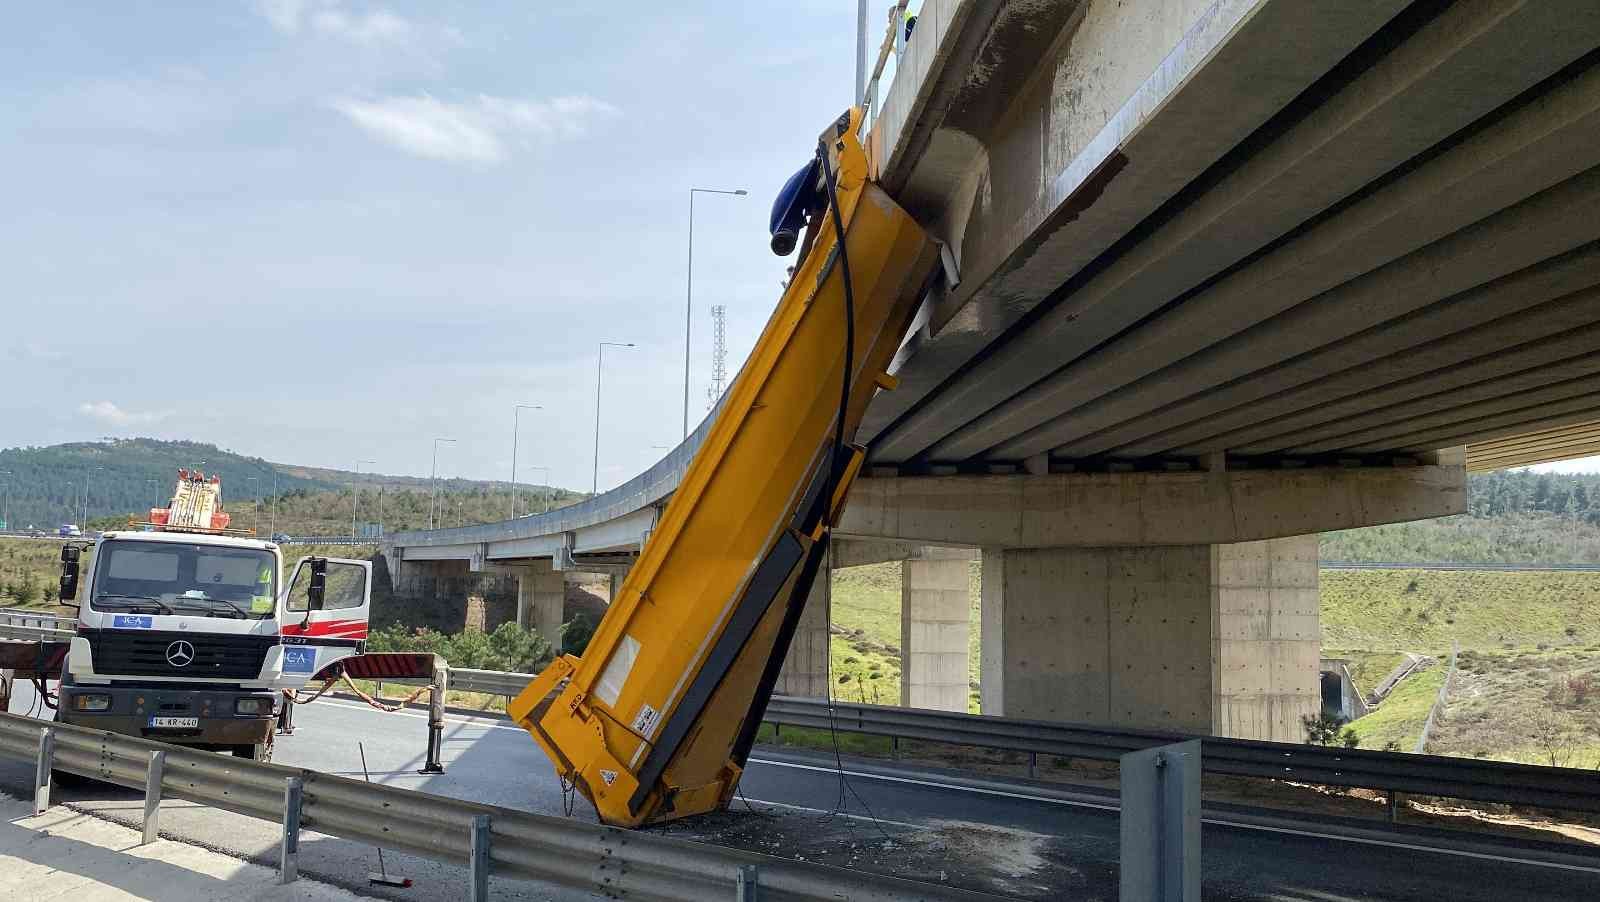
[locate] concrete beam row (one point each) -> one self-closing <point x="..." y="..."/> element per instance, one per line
<point x="1392" y="107"/>
<point x="1064" y="137"/>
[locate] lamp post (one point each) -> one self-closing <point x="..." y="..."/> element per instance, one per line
<point x="273" y="527"/>
<point x="255" y="512"/>
<point x="87" y="474"/>
<point x="515" y="424"/>
<point x="433" y="477"/>
<point x="594" y="488"/>
<point x="72" y="500"/>
<point x="688" y="304"/>
<point x="355" y="493"/>
<point x="7" y="516"/>
<point x="544" y="496"/>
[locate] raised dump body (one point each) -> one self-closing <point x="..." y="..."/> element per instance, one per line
<point x="655" y="721"/>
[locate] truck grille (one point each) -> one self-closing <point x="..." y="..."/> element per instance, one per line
<point x="125" y="653"/>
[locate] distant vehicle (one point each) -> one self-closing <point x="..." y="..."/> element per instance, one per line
<point x="280" y="537"/>
<point x="69" y="531"/>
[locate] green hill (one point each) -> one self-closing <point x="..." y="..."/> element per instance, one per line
<point x="129" y="476"/>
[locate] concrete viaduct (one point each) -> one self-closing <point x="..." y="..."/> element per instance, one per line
<point x="1231" y="274"/>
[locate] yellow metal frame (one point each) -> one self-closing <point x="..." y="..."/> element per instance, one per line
<point x="676" y="666"/>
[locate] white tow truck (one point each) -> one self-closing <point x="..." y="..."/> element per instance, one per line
<point x="187" y="631"/>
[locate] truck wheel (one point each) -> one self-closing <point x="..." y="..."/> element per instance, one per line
<point x="260" y="752"/>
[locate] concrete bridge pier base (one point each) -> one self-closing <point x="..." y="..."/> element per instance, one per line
<point x="1219" y="639"/>
<point x="935" y="609"/>
<point x="805" y="667"/>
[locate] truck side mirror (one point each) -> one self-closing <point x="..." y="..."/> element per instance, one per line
<point x="318" y="587"/>
<point x="69" y="573"/>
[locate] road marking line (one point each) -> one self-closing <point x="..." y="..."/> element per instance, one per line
<point x="1395" y="844"/>
<point x="933" y="783"/>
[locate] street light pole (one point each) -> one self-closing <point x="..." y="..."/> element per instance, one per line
<point x="7" y="516"/>
<point x="688" y="303"/>
<point x="255" y="512"/>
<point x="433" y="477"/>
<point x="355" y="493"/>
<point x="594" y="488"/>
<point x="543" y="496"/>
<point x="273" y="527"/>
<point x="87" y="474"/>
<point x="72" y="500"/>
<point x="515" y="424"/>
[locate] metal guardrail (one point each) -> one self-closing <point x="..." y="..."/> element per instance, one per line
<point x="1451" y="565"/>
<point x="30" y="625"/>
<point x="489" y="682"/>
<point x="488" y="840"/>
<point x="332" y="540"/>
<point x="1459" y="778"/>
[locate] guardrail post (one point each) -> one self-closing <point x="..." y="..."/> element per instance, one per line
<point x="748" y="884"/>
<point x="289" y="850"/>
<point x="1161" y="824"/>
<point x="478" y="873"/>
<point x="441" y="684"/>
<point x="152" y="797"/>
<point x="41" y="776"/>
<point x="1033" y="765"/>
<point x="1394" y="806"/>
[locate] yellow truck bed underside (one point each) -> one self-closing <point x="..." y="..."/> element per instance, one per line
<point x="654" y="722"/>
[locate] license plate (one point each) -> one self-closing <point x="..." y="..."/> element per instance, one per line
<point x="174" y="723"/>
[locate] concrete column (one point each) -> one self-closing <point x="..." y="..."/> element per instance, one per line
<point x="934" y="633"/>
<point x="1266" y="634"/>
<point x="1208" y="639"/>
<point x="541" y="599"/>
<point x="805" y="666"/>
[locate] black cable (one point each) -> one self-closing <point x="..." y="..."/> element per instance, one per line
<point x="838" y="464"/>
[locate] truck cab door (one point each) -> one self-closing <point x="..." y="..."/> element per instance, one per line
<point x="323" y="615"/>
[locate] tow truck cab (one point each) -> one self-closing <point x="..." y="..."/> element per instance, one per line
<point x="190" y="637"/>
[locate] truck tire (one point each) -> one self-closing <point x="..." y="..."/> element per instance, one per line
<point x="260" y="752"/>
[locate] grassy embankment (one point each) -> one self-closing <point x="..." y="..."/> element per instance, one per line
<point x="1529" y="663"/>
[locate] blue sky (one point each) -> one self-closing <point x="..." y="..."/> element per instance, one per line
<point x="330" y="229"/>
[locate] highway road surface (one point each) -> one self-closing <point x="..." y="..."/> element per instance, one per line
<point x="1017" y="838"/>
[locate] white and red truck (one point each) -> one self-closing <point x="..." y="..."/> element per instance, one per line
<point x="187" y="630"/>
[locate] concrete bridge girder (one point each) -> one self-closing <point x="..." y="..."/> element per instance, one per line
<point x="1145" y="509"/>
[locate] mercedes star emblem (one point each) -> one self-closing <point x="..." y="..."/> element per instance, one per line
<point x="180" y="653"/>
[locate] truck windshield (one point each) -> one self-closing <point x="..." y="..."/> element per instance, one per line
<point x="180" y="578"/>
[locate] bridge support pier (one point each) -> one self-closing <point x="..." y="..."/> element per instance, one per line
<point x="935" y="611"/>
<point x="1220" y="639"/>
<point x="541" y="600"/>
<point x="805" y="667"/>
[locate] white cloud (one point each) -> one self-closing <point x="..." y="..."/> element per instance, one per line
<point x="284" y="15"/>
<point x="375" y="27"/>
<point x="480" y="131"/>
<point x="109" y="413"/>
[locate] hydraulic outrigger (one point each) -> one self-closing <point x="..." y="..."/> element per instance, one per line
<point x="657" y="718"/>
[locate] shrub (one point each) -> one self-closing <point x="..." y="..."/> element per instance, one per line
<point x="518" y="650"/>
<point x="576" y="633"/>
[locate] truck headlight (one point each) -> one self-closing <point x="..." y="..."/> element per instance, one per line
<point x="253" y="706"/>
<point x="91" y="701"/>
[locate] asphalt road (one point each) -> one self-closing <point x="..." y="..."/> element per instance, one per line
<point x="1012" y="839"/>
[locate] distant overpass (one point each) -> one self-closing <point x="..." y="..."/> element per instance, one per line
<point x="1230" y="273"/>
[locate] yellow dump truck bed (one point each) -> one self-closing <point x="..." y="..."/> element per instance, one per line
<point x="656" y="719"/>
